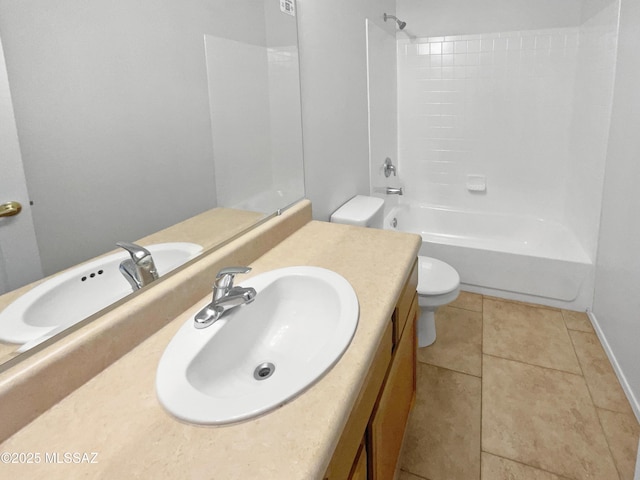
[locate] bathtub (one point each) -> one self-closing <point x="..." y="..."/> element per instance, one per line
<point x="522" y="255"/>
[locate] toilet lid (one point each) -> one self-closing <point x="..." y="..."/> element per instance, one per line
<point x="436" y="277"/>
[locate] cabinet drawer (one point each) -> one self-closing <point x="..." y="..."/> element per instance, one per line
<point x="389" y="421"/>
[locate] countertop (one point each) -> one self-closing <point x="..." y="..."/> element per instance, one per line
<point x="116" y="420"/>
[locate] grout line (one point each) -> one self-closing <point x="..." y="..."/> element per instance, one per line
<point x="528" y="465"/>
<point x="533" y="365"/>
<point x="606" y="440"/>
<point x="629" y="412"/>
<point x="518" y="302"/>
<point x="575" y="354"/>
<point x="462" y="308"/>
<point x="589" y="387"/>
<point x="564" y="320"/>
<point x="450" y="369"/>
<point x="577" y="330"/>
<point x="414" y="474"/>
<point x="593" y="404"/>
<point x="633" y="400"/>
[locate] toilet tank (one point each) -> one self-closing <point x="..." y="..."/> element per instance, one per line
<point x="362" y="211"/>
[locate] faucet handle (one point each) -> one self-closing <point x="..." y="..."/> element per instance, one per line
<point x="224" y="280"/>
<point x="388" y="168"/>
<point x="233" y="271"/>
<point x="136" y="251"/>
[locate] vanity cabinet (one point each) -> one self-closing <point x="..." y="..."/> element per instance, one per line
<point x="370" y="444"/>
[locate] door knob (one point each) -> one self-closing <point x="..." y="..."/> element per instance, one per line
<point x="10" y="209"/>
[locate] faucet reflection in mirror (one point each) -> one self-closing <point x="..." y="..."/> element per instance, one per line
<point x="140" y="269"/>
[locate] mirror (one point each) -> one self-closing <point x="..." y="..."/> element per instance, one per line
<point x="134" y="116"/>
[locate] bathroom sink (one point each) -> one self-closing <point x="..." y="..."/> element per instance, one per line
<point x="260" y="355"/>
<point x="74" y="295"/>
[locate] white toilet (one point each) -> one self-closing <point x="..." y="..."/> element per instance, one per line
<point x="438" y="282"/>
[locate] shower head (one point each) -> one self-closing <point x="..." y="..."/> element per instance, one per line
<point x="400" y="23"/>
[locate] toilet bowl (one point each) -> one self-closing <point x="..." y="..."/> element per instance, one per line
<point x="438" y="282"/>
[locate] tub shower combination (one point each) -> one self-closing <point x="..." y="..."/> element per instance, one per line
<point x="508" y="253"/>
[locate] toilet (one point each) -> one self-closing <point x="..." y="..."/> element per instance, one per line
<point x="438" y="282"/>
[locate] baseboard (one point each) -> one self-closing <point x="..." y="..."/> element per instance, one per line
<point x="637" y="475"/>
<point x="635" y="405"/>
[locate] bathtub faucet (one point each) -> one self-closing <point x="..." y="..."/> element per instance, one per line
<point x="394" y="191"/>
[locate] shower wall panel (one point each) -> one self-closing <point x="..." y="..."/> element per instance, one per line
<point x="496" y="104"/>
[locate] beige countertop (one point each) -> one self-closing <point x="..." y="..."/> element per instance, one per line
<point x="116" y="415"/>
<point x="209" y="229"/>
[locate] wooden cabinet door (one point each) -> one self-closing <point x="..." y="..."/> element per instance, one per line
<point x="403" y="308"/>
<point x="359" y="471"/>
<point x="389" y="421"/>
<point x="347" y="449"/>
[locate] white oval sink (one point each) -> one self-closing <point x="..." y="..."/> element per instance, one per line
<point x="301" y="322"/>
<point x="72" y="296"/>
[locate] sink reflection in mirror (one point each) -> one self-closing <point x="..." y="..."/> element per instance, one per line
<point x="262" y="354"/>
<point x="78" y="293"/>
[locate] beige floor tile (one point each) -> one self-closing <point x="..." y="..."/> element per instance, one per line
<point x="528" y="334"/>
<point x="443" y="435"/>
<point x="622" y="432"/>
<point x="458" y="344"/>
<point x="577" y="321"/>
<point x="468" y="301"/>
<point x="536" y="305"/>
<point x="603" y="384"/>
<point x="543" y="418"/>
<point x="498" y="468"/>
<point x="409" y="476"/>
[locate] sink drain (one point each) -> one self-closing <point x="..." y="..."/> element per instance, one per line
<point x="264" y="371"/>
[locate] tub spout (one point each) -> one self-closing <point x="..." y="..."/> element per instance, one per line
<point x="394" y="191"/>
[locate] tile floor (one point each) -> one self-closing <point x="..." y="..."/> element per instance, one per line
<point x="514" y="391"/>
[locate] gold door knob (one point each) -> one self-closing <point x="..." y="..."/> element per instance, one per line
<point x="10" y="209"/>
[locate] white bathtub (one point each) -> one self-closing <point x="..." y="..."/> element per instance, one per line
<point x="522" y="255"/>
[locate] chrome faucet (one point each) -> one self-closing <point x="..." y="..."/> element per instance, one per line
<point x="225" y="297"/>
<point x="388" y="168"/>
<point x="140" y="269"/>
<point x="394" y="191"/>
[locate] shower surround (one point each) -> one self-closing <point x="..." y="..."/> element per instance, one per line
<point x="529" y="109"/>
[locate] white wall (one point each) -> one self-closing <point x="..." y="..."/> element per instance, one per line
<point x="589" y="126"/>
<point x="113" y="115"/>
<point x="383" y="107"/>
<point x="19" y="256"/>
<point x="616" y="304"/>
<point x="334" y="98"/>
<point x="457" y="17"/>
